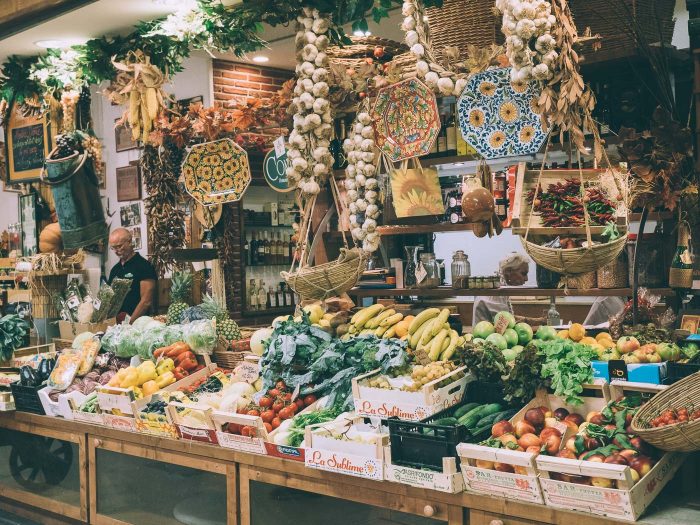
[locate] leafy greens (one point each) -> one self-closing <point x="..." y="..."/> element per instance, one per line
<point x="568" y="366"/>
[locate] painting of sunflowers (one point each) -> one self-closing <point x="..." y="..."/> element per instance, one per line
<point x="416" y="193"/>
<point x="497" y="116"/>
<point x="216" y="172"/>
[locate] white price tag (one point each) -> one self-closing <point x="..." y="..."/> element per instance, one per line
<point x="73" y="302"/>
<point x="248" y="372"/>
<point x="96" y="303"/>
<point x="279" y="146"/>
<point x="421" y="273"/>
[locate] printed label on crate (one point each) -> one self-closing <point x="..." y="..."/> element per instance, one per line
<point x="156" y="428"/>
<point x="88" y="417"/>
<point x="363" y="467"/>
<point x="425" y="479"/>
<point x="109" y="402"/>
<point x="386" y="409"/>
<point x="241" y="443"/>
<point x="285" y="452"/>
<point x="127" y="424"/>
<point x="607" y="502"/>
<point x="203" y="435"/>
<point x="504" y="484"/>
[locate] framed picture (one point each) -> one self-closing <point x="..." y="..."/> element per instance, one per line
<point x="136" y="237"/>
<point x="123" y="138"/>
<point x="691" y="323"/>
<point x="130" y="215"/>
<point x="183" y="105"/>
<point x="28" y="220"/>
<point x="27" y="144"/>
<point x="128" y="183"/>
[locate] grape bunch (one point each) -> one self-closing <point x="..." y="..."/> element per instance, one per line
<point x="65" y="146"/>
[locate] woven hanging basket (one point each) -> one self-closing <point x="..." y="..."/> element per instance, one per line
<point x="681" y="437"/>
<point x="576" y="260"/>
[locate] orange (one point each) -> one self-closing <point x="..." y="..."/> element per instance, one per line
<point x="577" y="332"/>
<point x="563" y="334"/>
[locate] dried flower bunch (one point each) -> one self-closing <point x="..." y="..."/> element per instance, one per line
<point x="309" y="141"/>
<point x="530" y="46"/>
<point x="363" y="194"/>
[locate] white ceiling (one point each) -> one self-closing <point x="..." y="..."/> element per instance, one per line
<point x="112" y="17"/>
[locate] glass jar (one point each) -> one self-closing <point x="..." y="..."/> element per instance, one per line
<point x="441" y="268"/>
<point x="409" y="274"/>
<point x="652" y="272"/>
<point x="460" y="270"/>
<point x="428" y="273"/>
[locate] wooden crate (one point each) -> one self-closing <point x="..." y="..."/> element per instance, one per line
<point x="526" y="180"/>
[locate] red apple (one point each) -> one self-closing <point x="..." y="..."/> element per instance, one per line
<point x="640" y="445"/>
<point x="533" y="450"/>
<point x="576" y="419"/>
<point x="571" y="444"/>
<point x="549" y="431"/>
<point x="573" y="426"/>
<point x="627" y="345"/>
<point x="595" y="418"/>
<point x="603" y="483"/>
<point x="561" y="413"/>
<point x="596" y="458"/>
<point x="628" y="454"/>
<point x="566" y="453"/>
<point x="522" y="427"/>
<point x="615" y="459"/>
<point x="535" y="417"/>
<point x="520" y="470"/>
<point x="508" y="438"/>
<point x="482" y="463"/>
<point x="529" y="440"/>
<point x="590" y="443"/>
<point x="552" y="444"/>
<point x="503" y="467"/>
<point x="642" y="464"/>
<point x="501" y="427"/>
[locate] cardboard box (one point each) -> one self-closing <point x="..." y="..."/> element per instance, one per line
<point x="362" y="460"/>
<point x="449" y="480"/>
<point x="253" y="444"/>
<point x="410" y="406"/>
<point x="627" y="502"/>
<point x="523" y="484"/>
<point x="653" y="373"/>
<point x="70" y="330"/>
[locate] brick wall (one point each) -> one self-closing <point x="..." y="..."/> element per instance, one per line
<point x="235" y="81"/>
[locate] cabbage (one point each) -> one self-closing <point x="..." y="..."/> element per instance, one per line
<point x="153" y="325"/>
<point x="81" y="338"/>
<point x="201" y="336"/>
<point x="141" y="322"/>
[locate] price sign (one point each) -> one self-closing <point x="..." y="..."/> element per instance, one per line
<point x="275" y="171"/>
<point x="617" y="369"/>
<point x="27" y="145"/>
<point x="247" y="372"/>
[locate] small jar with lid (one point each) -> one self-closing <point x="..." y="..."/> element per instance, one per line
<point x="431" y="277"/>
<point x="460" y="270"/>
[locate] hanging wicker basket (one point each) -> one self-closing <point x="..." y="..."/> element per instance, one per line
<point x="681" y="437"/>
<point x="575" y="260"/>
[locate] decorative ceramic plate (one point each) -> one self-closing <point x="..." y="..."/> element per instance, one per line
<point x="406" y="120"/>
<point x="497" y="117"/>
<point x="216" y="172"/>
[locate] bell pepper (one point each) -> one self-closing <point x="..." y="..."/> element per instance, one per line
<point x="166" y="365"/>
<point x="180" y="372"/>
<point x="188" y="364"/>
<point x="168" y="378"/>
<point x="183" y="356"/>
<point x="178" y="348"/>
<point x="147" y="372"/>
<point x="131" y="377"/>
<point x="138" y="393"/>
<point x="149" y="388"/>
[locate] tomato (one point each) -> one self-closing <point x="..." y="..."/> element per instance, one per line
<point x="253" y="412"/>
<point x="300" y="403"/>
<point x="268" y="415"/>
<point x="309" y="400"/>
<point x="248" y="431"/>
<point x="277" y="406"/>
<point x="281" y="385"/>
<point x="265" y="402"/>
<point x="286" y="413"/>
<point x="233" y="428"/>
<point x="273" y="393"/>
<point x="293" y="407"/>
<point x="276" y="422"/>
<point x="268" y="427"/>
<point x="287" y="397"/>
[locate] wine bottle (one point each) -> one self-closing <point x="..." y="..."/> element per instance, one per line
<point x="681" y="274"/>
<point x="451" y="130"/>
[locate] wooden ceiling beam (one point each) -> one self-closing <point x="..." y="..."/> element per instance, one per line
<point x="19" y="15"/>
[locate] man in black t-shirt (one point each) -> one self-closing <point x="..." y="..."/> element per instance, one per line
<point x="131" y="265"/>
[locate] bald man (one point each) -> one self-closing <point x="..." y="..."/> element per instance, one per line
<point x="132" y="266"/>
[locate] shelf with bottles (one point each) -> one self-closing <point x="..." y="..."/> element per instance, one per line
<point x="261" y="297"/>
<point x="261" y="249"/>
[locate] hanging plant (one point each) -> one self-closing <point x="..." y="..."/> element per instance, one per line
<point x="309" y="141"/>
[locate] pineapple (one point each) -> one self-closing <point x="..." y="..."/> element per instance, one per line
<point x="179" y="294"/>
<point x="225" y="327"/>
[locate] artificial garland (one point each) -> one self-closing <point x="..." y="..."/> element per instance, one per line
<point x="309" y="141"/>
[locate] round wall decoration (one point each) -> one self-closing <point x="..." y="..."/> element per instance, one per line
<point x="405" y="119"/>
<point x="216" y="172"/>
<point x="497" y="116"/>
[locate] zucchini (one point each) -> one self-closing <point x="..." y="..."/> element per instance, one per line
<point x="445" y="421"/>
<point x="464" y="409"/>
<point x="469" y="421"/>
<point x="473" y="412"/>
<point x="491" y="408"/>
<point x="493" y="418"/>
<point x="477" y="432"/>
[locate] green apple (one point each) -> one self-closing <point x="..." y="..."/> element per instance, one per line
<point x="510" y="354"/>
<point x="546" y="333"/>
<point x="518" y="348"/>
<point x="498" y="341"/>
<point x="511" y="337"/>
<point x="524" y="332"/>
<point x="609" y="354"/>
<point x="483" y="329"/>
<point x="669" y="351"/>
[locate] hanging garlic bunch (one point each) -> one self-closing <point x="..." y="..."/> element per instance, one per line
<point x="309" y="141"/>
<point x="439" y="79"/>
<point x="361" y="182"/>
<point x="527" y="25"/>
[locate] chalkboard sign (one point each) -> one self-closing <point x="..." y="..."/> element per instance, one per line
<point x="274" y="169"/>
<point x="28" y="144"/>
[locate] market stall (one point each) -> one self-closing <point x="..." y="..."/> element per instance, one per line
<point x="331" y="323"/>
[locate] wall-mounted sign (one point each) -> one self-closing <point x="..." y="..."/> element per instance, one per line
<point x="275" y="171"/>
<point x="28" y="145"/>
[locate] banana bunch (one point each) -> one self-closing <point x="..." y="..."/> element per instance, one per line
<point x="429" y="331"/>
<point x="377" y="320"/>
<point x="142" y="82"/>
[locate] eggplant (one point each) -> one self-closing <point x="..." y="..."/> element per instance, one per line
<point x="28" y="377"/>
<point x="44" y="369"/>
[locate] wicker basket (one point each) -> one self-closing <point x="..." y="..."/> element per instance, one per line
<point x="329" y="279"/>
<point x="682" y="437"/>
<point x="45" y="287"/>
<point x="576" y="260"/>
<point x="230" y="360"/>
<point x="583" y="281"/>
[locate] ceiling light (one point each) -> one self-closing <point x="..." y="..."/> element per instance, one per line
<point x="260" y="59"/>
<point x="362" y="33"/>
<point x="51" y="44"/>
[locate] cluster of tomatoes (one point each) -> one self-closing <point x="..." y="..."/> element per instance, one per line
<point x="273" y="408"/>
<point x="673" y="416"/>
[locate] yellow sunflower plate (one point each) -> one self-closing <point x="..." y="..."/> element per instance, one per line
<point x="497" y="117"/>
<point x="216" y="172"/>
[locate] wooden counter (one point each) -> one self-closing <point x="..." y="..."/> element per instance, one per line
<point x="240" y="469"/>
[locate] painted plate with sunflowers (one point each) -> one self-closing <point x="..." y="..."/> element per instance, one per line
<point x="405" y="119"/>
<point x="497" y="117"/>
<point x="216" y="172"/>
